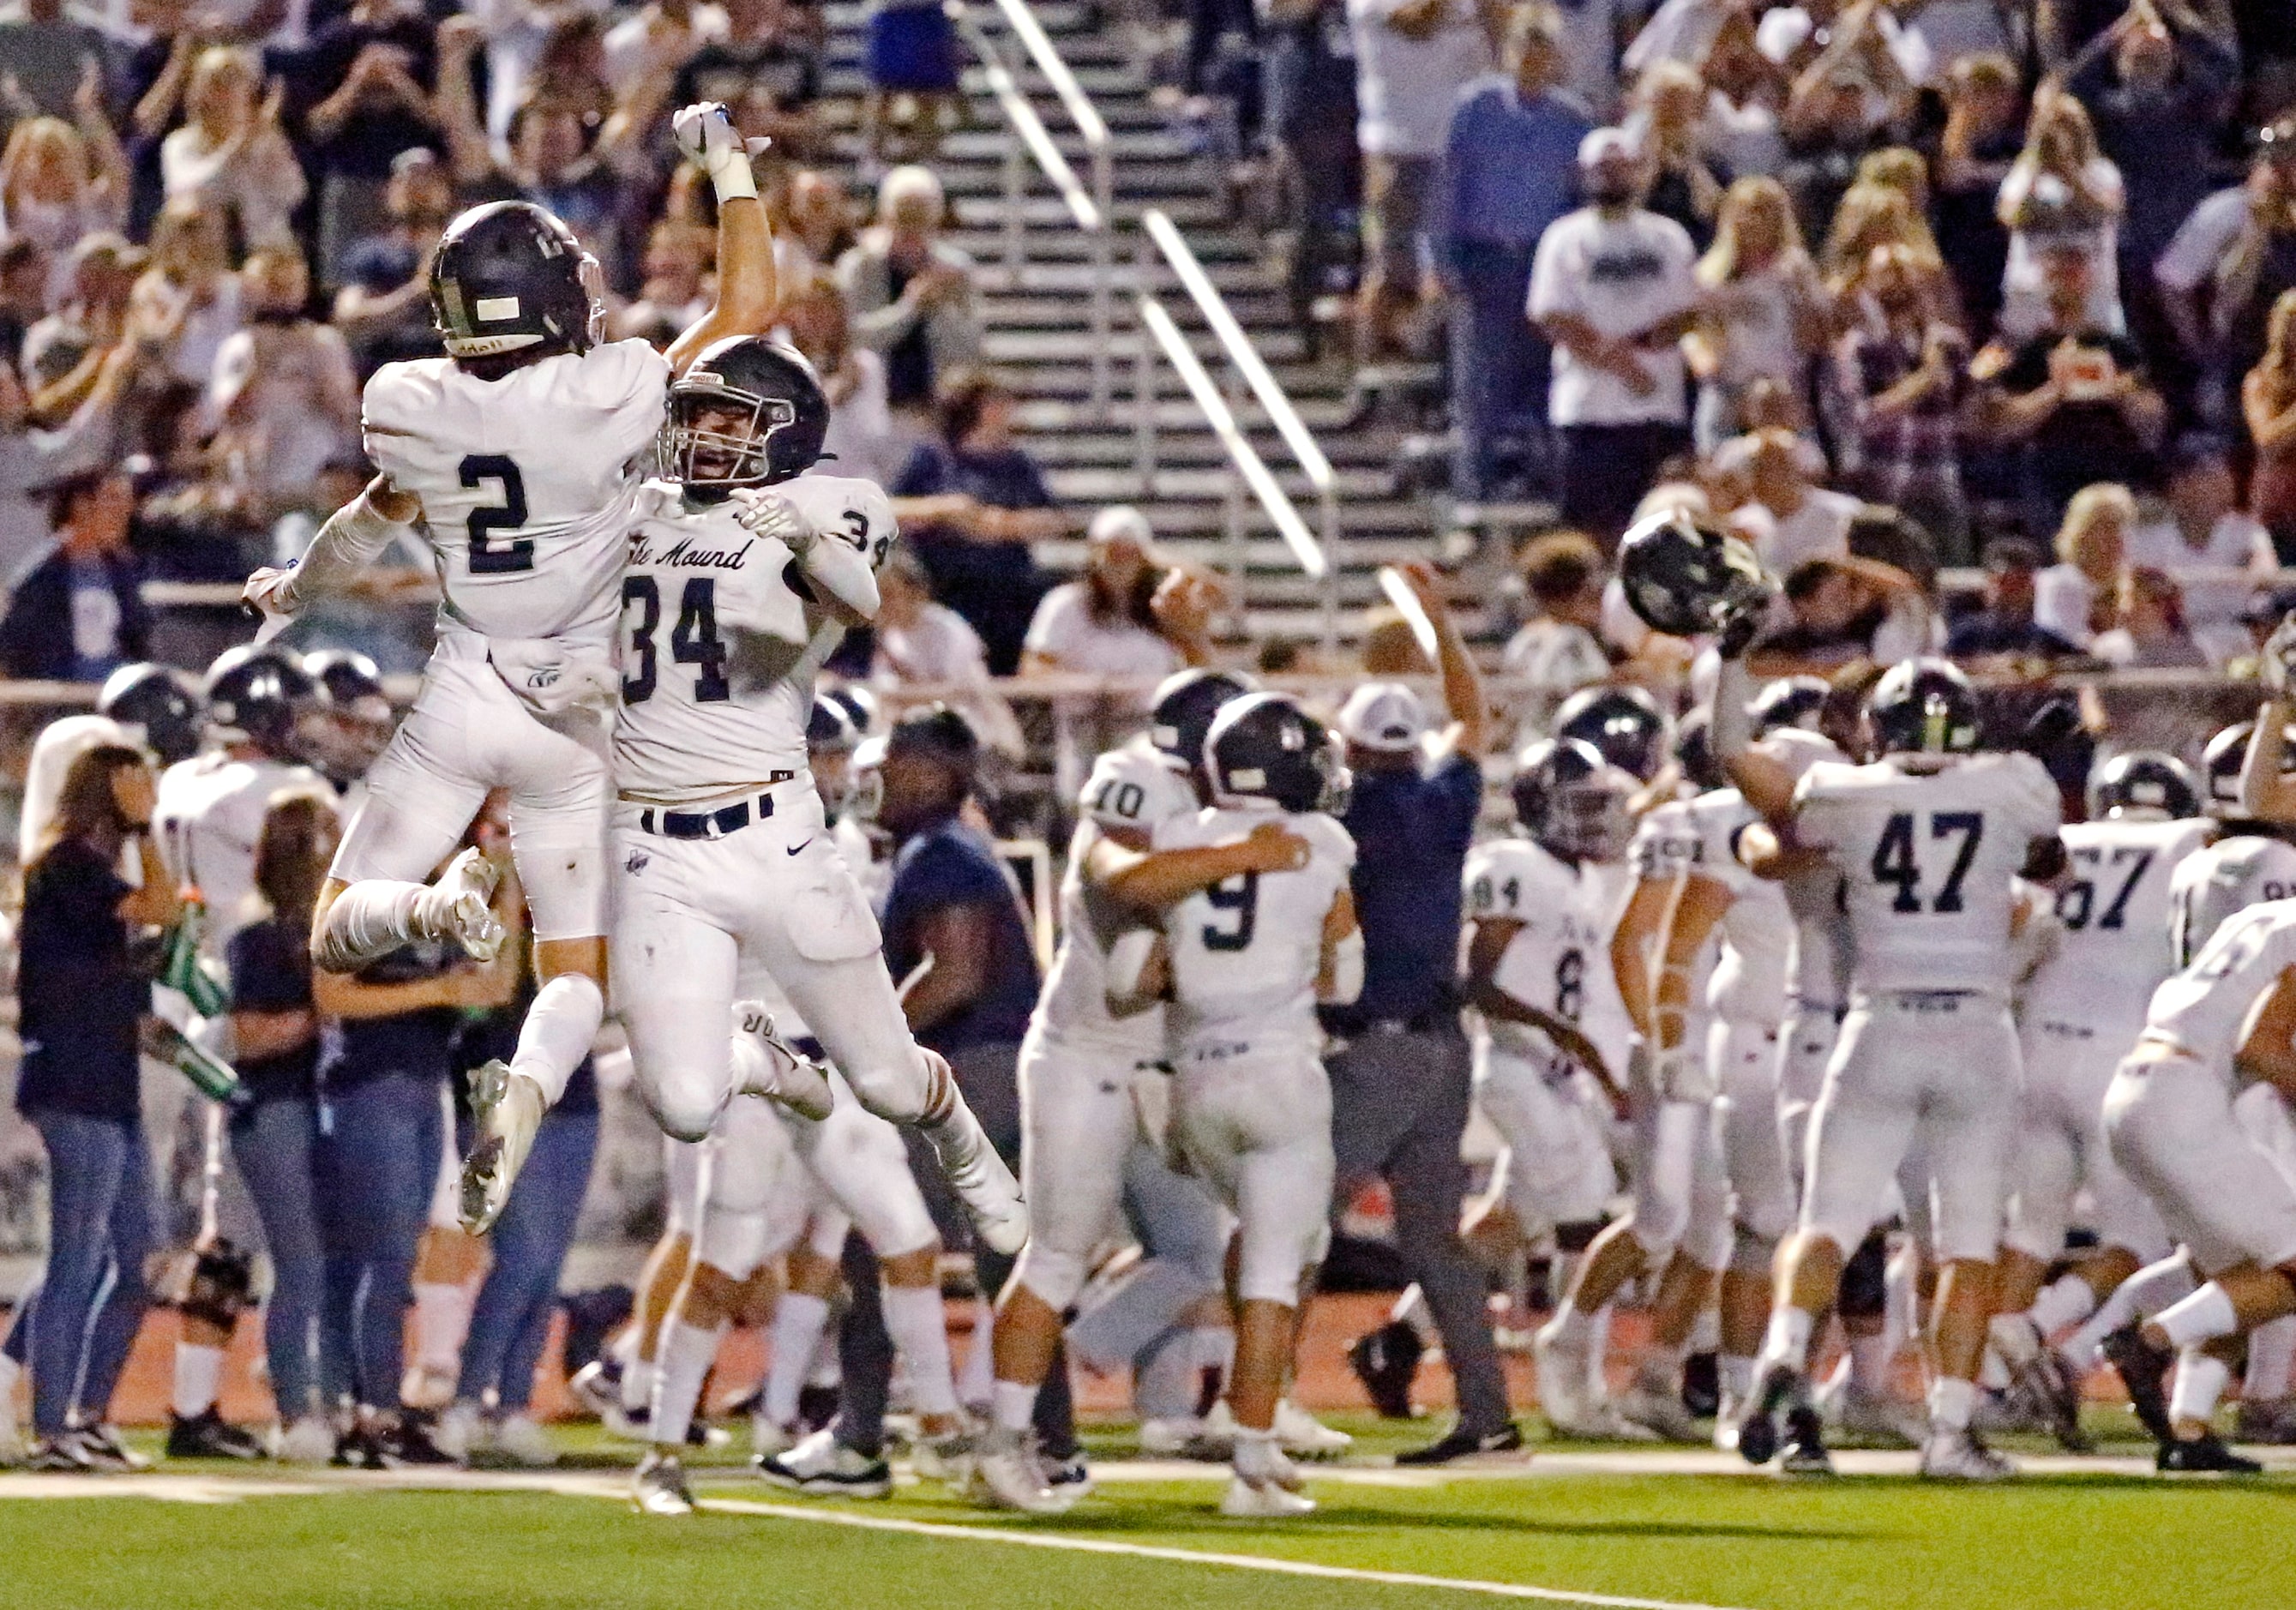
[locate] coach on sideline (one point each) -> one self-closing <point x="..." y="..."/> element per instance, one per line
<point x="1402" y="1084"/>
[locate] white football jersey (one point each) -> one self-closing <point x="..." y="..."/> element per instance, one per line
<point x="1748" y="981"/>
<point x="689" y="729"/>
<point x="1562" y="940"/>
<point x="208" y="816"/>
<point x="2229" y="875"/>
<point x="524" y="481"/>
<point x="874" y="875"/>
<point x="1609" y="886"/>
<point x="1667" y="844"/>
<point x="1134" y="787"/>
<point x="1245" y="953"/>
<point x="2203" y="1010"/>
<point x="1929" y="858"/>
<point x="2111" y="944"/>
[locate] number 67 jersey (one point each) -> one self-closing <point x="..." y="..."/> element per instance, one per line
<point x="1929" y="849"/>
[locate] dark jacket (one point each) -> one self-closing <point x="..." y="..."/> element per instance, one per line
<point x="35" y="634"/>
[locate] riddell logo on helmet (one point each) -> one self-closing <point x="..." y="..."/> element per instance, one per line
<point x="547" y="677"/>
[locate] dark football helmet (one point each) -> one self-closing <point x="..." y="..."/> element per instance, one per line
<point x="510" y="275"/>
<point x="771" y="394"/>
<point x="259" y="696"/>
<point x="2220" y="765"/>
<point x="1788" y="702"/>
<point x="1922" y="707"/>
<point x="1571" y="801"/>
<point x="353" y="723"/>
<point x="161" y="701"/>
<point x="829" y="727"/>
<point x="831" y="737"/>
<point x="1693" y="754"/>
<point x="1184" y="704"/>
<point x="1624" y="724"/>
<point x="859" y="703"/>
<point x="1263" y="746"/>
<point x="2144" y="786"/>
<point x="1687" y="578"/>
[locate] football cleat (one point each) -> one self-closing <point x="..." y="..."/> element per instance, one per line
<point x="797" y="1082"/>
<point x="505" y="1110"/>
<point x="2144" y="1370"/>
<point x="769" y="1437"/>
<point x="404" y="1444"/>
<point x="1008" y="1474"/>
<point x="1803" y="1453"/>
<point x="947" y="1459"/>
<point x="1781" y="1387"/>
<point x="100" y="1448"/>
<point x="207" y="1436"/>
<point x="1601" y="1423"/>
<point x="1952" y="1454"/>
<point x="1662" y="1413"/>
<point x="1879" y="1417"/>
<point x="598" y="1385"/>
<point x="307" y="1441"/>
<point x="2048" y="1381"/>
<point x="1177" y="1439"/>
<point x="1460" y="1445"/>
<point x="59" y="1455"/>
<point x="457" y="906"/>
<point x="2204" y="1455"/>
<point x="1386" y="1361"/>
<point x="1305" y="1437"/>
<point x="823" y="1466"/>
<point x="424" y="1388"/>
<point x="460" y="1431"/>
<point x="1263" y="1500"/>
<point x="519" y="1439"/>
<point x="660" y="1488"/>
<point x="1071" y="1477"/>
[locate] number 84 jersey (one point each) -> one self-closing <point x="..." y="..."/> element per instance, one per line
<point x="1929" y="848"/>
<point x="697" y="590"/>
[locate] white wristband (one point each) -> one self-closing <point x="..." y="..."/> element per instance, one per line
<point x="732" y="177"/>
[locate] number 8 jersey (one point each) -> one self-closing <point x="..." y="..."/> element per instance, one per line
<point x="525" y="481"/>
<point x="691" y="729"/>
<point x="1930" y="848"/>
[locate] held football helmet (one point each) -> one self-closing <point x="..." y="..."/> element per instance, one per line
<point x="1572" y="801"/>
<point x="1186" y="702"/>
<point x="160" y="701"/>
<point x="1688" y="579"/>
<point x="1624" y="724"/>
<point x="2144" y="786"/>
<point x="259" y="695"/>
<point x="1263" y="746"/>
<point x="1789" y="702"/>
<point x="1922" y="707"/>
<point x="2221" y="762"/>
<point x="509" y="276"/>
<point x="780" y="418"/>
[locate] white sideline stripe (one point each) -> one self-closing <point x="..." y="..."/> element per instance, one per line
<point x="1195" y="1557"/>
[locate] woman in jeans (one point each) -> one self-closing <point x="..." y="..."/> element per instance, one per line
<point x="277" y="1030"/>
<point x="82" y="996"/>
<point x="386" y="1055"/>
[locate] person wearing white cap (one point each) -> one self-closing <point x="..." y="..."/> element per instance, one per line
<point x="1611" y="286"/>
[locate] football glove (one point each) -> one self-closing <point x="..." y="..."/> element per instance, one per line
<point x="767" y="514"/>
<point x="270" y="595"/>
<point x="706" y="133"/>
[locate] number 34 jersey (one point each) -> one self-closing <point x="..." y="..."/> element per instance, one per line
<point x="719" y="651"/>
<point x="2112" y="945"/>
<point x="1245" y="953"/>
<point x="1928" y="859"/>
<point x="524" y="481"/>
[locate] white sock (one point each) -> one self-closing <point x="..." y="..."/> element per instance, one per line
<point x="1992" y="1373"/>
<point x="1257" y="1457"/>
<point x="2141" y="1296"/>
<point x="637" y="1383"/>
<point x="1598" y="1348"/>
<point x="687" y="1353"/>
<point x="2067" y="1302"/>
<point x="798" y="1326"/>
<point x="2271" y="1351"/>
<point x="1787" y="1340"/>
<point x="1952" y="1403"/>
<point x="919" y="1326"/>
<point x="557" y="1033"/>
<point x="2203" y="1316"/>
<point x="442" y="1318"/>
<point x="1012" y="1405"/>
<point x="370" y="919"/>
<point x="1901" y="1297"/>
<point x="199" y="1376"/>
<point x="2200" y="1383"/>
<point x="977" y="1385"/>
<point x="1736" y="1376"/>
<point x="1572" y="1327"/>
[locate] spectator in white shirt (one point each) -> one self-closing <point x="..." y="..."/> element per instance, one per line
<point x="188" y="300"/>
<point x="922" y="644"/>
<point x="230" y="150"/>
<point x="1107" y="621"/>
<point x="1789" y="518"/>
<point x="1412" y="59"/>
<point x="2062" y="191"/>
<point x="1559" y="650"/>
<point x="284" y="399"/>
<point x="1611" y="287"/>
<point x="2200" y="537"/>
<point x="2075" y="596"/>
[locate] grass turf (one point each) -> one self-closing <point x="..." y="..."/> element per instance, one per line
<point x="2077" y="1542"/>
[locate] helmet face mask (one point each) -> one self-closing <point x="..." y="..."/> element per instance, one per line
<point x="1573" y="802"/>
<point x="747" y="414"/>
<point x="1922" y="707"/>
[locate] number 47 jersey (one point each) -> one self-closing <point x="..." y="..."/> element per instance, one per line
<point x="692" y="726"/>
<point x="524" y="481"/>
<point x="1928" y="859"/>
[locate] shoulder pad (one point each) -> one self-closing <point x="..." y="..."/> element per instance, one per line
<point x="1131" y="788"/>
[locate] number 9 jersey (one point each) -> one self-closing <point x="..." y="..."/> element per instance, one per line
<point x="524" y="481"/>
<point x="693" y="726"/>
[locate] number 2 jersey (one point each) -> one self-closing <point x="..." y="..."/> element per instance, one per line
<point x="1132" y="787"/>
<point x="2113" y="944"/>
<point x="696" y="726"/>
<point x="1245" y="953"/>
<point x="525" y="481"/>
<point x="1929" y="848"/>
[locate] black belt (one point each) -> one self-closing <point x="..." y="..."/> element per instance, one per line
<point x="712" y="824"/>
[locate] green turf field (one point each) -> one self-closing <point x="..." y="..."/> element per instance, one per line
<point x="1590" y="1530"/>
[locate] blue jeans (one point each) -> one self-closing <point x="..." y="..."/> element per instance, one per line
<point x="379" y="1159"/>
<point x="92" y="1297"/>
<point x="273" y="1143"/>
<point x="1498" y="364"/>
<point x="512" y="1318"/>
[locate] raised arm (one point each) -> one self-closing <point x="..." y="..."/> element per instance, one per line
<point x="1463" y="682"/>
<point x="748" y="290"/>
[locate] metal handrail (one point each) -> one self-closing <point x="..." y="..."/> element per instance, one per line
<point x="1057" y="72"/>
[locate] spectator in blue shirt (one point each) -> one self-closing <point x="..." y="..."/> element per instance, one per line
<point x="77" y="615"/>
<point x="1510" y="168"/>
<point x="1402" y="1081"/>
